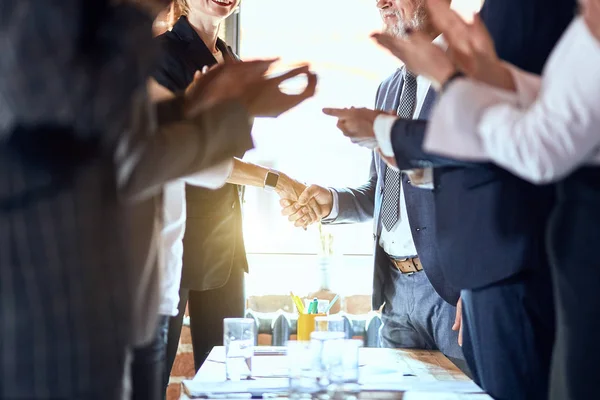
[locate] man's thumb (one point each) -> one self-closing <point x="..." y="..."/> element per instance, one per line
<point x="308" y="194"/>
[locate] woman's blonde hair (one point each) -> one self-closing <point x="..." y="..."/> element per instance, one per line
<point x="179" y="8"/>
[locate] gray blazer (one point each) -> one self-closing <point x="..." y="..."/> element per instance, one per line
<point x="363" y="203"/>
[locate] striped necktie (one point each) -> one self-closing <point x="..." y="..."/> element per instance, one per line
<point x="390" y="208"/>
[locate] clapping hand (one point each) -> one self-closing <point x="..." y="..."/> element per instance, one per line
<point x="590" y="9"/>
<point x="222" y="83"/>
<point x="265" y="98"/>
<point x="470" y="50"/>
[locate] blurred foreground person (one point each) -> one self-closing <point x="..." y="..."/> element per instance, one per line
<point x="82" y="159"/>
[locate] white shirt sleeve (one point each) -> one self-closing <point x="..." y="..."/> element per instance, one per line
<point x="542" y="132"/>
<point x="559" y="131"/>
<point x="212" y="178"/>
<point x="335" y="207"/>
<point x="383" y="133"/>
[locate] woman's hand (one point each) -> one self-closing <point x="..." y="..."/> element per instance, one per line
<point x="591" y="16"/>
<point x="221" y="83"/>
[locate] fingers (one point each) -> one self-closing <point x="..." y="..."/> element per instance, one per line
<point x="292" y="100"/>
<point x="308" y="194"/>
<point x="398" y="47"/>
<point x="292" y="73"/>
<point x="456" y="31"/>
<point x="337" y="112"/>
<point x="314" y="210"/>
<point x="311" y="87"/>
<point x="299" y="214"/>
<point x="458" y="317"/>
<point x="289" y="209"/>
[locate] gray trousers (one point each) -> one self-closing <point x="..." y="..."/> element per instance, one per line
<point x="415" y="316"/>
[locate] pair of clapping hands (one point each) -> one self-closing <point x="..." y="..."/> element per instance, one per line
<point x="246" y="83"/>
<point x="471" y="51"/>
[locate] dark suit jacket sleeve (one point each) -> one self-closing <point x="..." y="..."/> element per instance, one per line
<point x="356" y="204"/>
<point x="407" y="142"/>
<point x="154" y="154"/>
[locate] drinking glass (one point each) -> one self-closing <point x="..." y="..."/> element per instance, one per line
<point x="238" y="339"/>
<point x="343" y="371"/>
<point x="303" y="362"/>
<point x="330" y="323"/>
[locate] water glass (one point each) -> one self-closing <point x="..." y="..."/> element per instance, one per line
<point x="238" y="339"/>
<point x="303" y="362"/>
<point x="330" y="323"/>
<point x="343" y="372"/>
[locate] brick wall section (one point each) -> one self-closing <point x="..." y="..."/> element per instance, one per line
<point x="183" y="368"/>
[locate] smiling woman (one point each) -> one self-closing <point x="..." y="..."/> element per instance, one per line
<point x="217" y="8"/>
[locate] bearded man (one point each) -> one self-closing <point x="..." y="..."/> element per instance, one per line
<point x="418" y="303"/>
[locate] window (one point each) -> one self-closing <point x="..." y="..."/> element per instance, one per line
<point x="304" y="143"/>
<point x="333" y="36"/>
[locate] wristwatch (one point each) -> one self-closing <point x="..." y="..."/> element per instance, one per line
<point x="271" y="180"/>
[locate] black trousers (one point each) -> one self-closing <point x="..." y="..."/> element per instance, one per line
<point x="207" y="310"/>
<point x="573" y="244"/>
<point x="508" y="335"/>
<point x="148" y="365"/>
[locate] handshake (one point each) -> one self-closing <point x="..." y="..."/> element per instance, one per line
<point x="303" y="205"/>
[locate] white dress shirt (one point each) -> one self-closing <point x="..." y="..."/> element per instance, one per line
<point x="397" y="242"/>
<point x="384" y="124"/>
<point x="542" y="132"/>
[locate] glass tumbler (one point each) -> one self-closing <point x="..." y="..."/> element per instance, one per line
<point x="238" y="339"/>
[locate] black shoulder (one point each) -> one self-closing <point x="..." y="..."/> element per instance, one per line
<point x="170" y="69"/>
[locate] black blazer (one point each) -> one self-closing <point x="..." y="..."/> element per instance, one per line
<point x="213" y="243"/>
<point x="491" y="224"/>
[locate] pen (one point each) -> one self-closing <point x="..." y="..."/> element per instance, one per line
<point x="314" y="305"/>
<point x="337" y="296"/>
<point x="297" y="302"/>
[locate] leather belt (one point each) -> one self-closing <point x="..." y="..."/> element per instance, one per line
<point x="407" y="265"/>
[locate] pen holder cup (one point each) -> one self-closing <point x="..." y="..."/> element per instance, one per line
<point x="306" y="325"/>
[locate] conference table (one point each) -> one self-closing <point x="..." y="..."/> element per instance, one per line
<point x="384" y="373"/>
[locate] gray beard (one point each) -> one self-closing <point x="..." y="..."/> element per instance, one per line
<point x="417" y="22"/>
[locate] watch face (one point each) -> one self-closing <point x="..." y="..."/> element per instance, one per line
<point x="271" y="180"/>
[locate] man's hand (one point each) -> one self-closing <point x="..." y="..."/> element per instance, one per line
<point x="265" y="98"/>
<point x="458" y="321"/>
<point x="591" y="16"/>
<point x="356" y="124"/>
<point x="315" y="199"/>
<point x="221" y="83"/>
<point x="289" y="190"/>
<point x="420" y="55"/>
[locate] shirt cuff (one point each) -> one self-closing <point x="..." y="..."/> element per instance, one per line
<point x="383" y="132"/>
<point x="421" y="178"/>
<point x="335" y="207"/>
<point x="212" y="178"/>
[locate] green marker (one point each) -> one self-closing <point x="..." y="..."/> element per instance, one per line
<point x="314" y="306"/>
